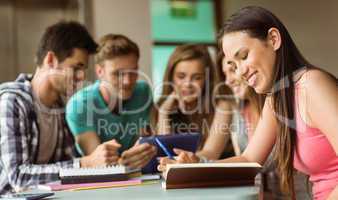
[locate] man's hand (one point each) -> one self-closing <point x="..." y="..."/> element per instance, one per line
<point x="104" y="154"/>
<point x="138" y="156"/>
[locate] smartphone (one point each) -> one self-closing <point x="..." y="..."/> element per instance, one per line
<point x="26" y="196"/>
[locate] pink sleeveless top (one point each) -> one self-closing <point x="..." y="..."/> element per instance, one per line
<point x="315" y="156"/>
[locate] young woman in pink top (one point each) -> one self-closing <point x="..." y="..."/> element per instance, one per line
<point x="300" y="113"/>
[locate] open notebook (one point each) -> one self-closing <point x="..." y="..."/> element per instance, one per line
<point x="100" y="174"/>
<point x="210" y="175"/>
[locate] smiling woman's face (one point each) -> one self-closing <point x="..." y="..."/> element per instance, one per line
<point x="251" y="58"/>
<point x="189" y="78"/>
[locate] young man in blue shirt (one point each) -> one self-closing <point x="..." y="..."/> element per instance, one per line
<point x="115" y="108"/>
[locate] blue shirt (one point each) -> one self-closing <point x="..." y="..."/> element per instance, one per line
<point x="88" y="112"/>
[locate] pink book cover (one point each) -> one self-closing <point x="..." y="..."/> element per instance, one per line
<point x="57" y="186"/>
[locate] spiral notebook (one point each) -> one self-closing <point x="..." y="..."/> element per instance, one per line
<point x="99" y="174"/>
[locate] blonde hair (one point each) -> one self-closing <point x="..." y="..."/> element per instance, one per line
<point x="114" y="45"/>
<point x="256" y="99"/>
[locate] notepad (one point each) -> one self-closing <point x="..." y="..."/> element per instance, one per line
<point x="100" y="174"/>
<point x="210" y="175"/>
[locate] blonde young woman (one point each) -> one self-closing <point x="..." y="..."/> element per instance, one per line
<point x="248" y="104"/>
<point x="188" y="102"/>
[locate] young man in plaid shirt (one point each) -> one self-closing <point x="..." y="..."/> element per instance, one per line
<point x="35" y="142"/>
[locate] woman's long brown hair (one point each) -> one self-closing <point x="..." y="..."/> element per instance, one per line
<point x="185" y="53"/>
<point x="256" y="22"/>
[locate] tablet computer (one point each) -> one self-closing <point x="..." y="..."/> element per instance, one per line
<point x="185" y="141"/>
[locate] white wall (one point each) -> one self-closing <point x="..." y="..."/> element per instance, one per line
<point x="312" y="24"/>
<point x="7" y="66"/>
<point x="128" y="17"/>
<point x="21" y="26"/>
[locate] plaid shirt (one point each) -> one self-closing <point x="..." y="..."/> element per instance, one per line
<point x="19" y="140"/>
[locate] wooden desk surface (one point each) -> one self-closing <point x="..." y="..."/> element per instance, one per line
<point x="155" y="191"/>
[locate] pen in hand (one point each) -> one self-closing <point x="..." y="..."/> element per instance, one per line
<point x="164" y="148"/>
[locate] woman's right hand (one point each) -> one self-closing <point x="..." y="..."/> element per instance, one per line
<point x="169" y="104"/>
<point x="183" y="157"/>
<point x="186" y="156"/>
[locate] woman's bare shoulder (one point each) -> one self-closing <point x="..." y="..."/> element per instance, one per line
<point x="314" y="76"/>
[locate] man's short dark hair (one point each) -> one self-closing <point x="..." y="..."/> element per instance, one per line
<point x="61" y="38"/>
